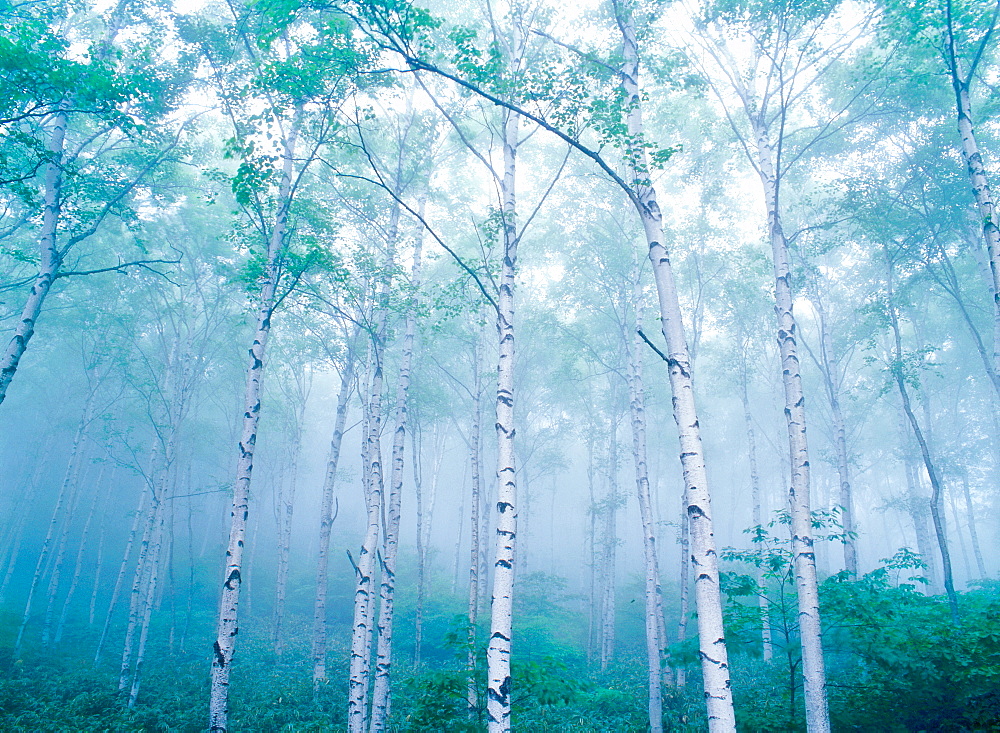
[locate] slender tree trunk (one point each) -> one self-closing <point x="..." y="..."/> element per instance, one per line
<point x="286" y="508"/>
<point x="637" y="407"/>
<point x="501" y="609"/>
<point x="937" y="488"/>
<point x="99" y="560"/>
<point x="767" y="648"/>
<point x="973" y="535"/>
<point x="475" y="438"/>
<point x="684" y="583"/>
<point x="803" y="551"/>
<point x="66" y="486"/>
<point x="364" y="595"/>
<point x="832" y="382"/>
<point x="980" y="184"/>
<point x="78" y="562"/>
<point x="610" y="542"/>
<point x="326" y="517"/>
<point x="704" y="557"/>
<point x="51" y="257"/>
<point x="17" y="533"/>
<point x="381" y="694"/>
<point x="228" y="626"/>
<point x="120" y="578"/>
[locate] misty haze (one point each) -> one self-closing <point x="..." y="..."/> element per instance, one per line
<point x="381" y="365"/>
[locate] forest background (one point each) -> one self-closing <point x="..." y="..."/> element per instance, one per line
<point x="264" y="267"/>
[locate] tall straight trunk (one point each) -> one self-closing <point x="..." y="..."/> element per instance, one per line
<point x="364" y="594"/>
<point x="610" y="550"/>
<point x="831" y="381"/>
<point x="803" y="551"/>
<point x="381" y="693"/>
<point x="592" y="510"/>
<point x="704" y="557"/>
<point x="918" y="508"/>
<point x="122" y="571"/>
<point x="17" y="538"/>
<point x="228" y="625"/>
<point x="326" y="516"/>
<point x="101" y="540"/>
<point x="148" y="604"/>
<point x="937" y="489"/>
<point x="975" y="169"/>
<point x="475" y="437"/>
<point x="59" y="557"/>
<point x="78" y="562"/>
<point x="767" y="648"/>
<point x="57" y="511"/>
<point x="637" y="409"/>
<point x="50" y="257"/>
<point x="973" y="534"/>
<point x="285" y="509"/>
<point x="684" y="583"/>
<point x="502" y="605"/>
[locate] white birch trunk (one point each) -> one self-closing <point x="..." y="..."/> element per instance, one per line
<point x="637" y="408"/>
<point x="475" y="437"/>
<point x="326" y="517"/>
<point x="285" y="509"/>
<point x="704" y="557"/>
<point x="120" y="578"/>
<point x="973" y="534"/>
<point x="228" y="625"/>
<point x="767" y="647"/>
<point x="980" y="191"/>
<point x="803" y="551"/>
<point x="78" y="562"/>
<point x="51" y="258"/>
<point x="364" y="595"/>
<point x="502" y="605"/>
<point x="43" y="555"/>
<point x="381" y="694"/>
<point x="610" y="542"/>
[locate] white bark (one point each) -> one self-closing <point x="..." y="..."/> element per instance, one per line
<point x="364" y="594"/>
<point x="228" y="625"/>
<point x="326" y="517"/>
<point x="51" y="258"/>
<point x="637" y="408"/>
<point x="381" y="694"/>
<point x="704" y="557"/>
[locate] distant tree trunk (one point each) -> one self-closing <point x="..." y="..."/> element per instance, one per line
<point x="228" y="625"/>
<point x="918" y="507"/>
<point x="593" y="605"/>
<point x="17" y="533"/>
<point x="712" y="644"/>
<point x="971" y="516"/>
<point x="932" y="473"/>
<point x="99" y="560"/>
<point x="767" y="647"/>
<point x="831" y="381"/>
<point x="381" y="694"/>
<point x="610" y="550"/>
<point x="475" y="458"/>
<point x="684" y="582"/>
<point x="637" y="408"/>
<point x="326" y="516"/>
<point x="285" y="510"/>
<point x="78" y="563"/>
<point x="68" y="485"/>
<point x="122" y="570"/>
<point x="501" y="609"/>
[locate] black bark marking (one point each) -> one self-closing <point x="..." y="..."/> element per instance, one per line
<point x="233" y="576"/>
<point x="220" y="658"/>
